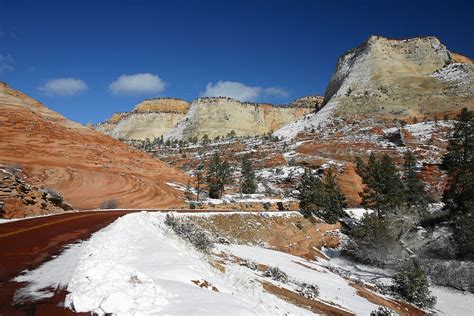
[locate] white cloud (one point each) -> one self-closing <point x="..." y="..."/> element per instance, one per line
<point x="7" y="63"/>
<point x="276" y="92"/>
<point x="145" y="83"/>
<point x="63" y="87"/>
<point x="240" y="91"/>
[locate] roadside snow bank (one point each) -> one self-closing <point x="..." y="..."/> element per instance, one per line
<point x="137" y="265"/>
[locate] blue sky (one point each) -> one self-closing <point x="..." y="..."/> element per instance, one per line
<point x="89" y="59"/>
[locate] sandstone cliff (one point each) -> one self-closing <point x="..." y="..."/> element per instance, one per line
<point x="149" y="119"/>
<point x="86" y="166"/>
<point x="395" y="79"/>
<point x="219" y="116"/>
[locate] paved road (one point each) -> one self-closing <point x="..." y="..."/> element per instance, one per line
<point x="26" y="244"/>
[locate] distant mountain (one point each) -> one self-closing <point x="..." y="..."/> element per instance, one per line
<point x="177" y="119"/>
<point x="394" y="79"/>
<point x="149" y="119"/>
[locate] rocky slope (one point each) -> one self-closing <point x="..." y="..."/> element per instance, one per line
<point x="394" y="79"/>
<point x="86" y="166"/>
<point x="220" y="116"/>
<point x="18" y="198"/>
<point x="149" y="119"/>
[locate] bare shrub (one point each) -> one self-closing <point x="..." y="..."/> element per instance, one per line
<point x="54" y="196"/>
<point x="307" y="290"/>
<point x="248" y="263"/>
<point x="109" y="204"/>
<point x="191" y="233"/>
<point x="14" y="168"/>
<point x="382" y="311"/>
<point x="276" y="274"/>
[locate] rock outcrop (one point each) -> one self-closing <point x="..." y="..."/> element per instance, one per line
<point x="220" y="116"/>
<point x="389" y="79"/>
<point x="86" y="166"/>
<point x="18" y="198"/>
<point x="178" y="119"/>
<point x="149" y="119"/>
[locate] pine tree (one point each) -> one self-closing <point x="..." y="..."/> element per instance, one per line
<point x="411" y="283"/>
<point x="383" y="187"/>
<point x="218" y="175"/>
<point x="247" y="183"/>
<point x="415" y="193"/>
<point x="199" y="175"/>
<point x="459" y="194"/>
<point x="188" y="194"/>
<point x="311" y="193"/>
<point x="334" y="200"/>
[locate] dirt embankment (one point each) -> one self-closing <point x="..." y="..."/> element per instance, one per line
<point x="292" y="234"/>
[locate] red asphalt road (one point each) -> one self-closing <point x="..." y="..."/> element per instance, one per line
<point x="26" y="244"/>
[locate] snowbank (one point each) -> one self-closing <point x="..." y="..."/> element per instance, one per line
<point x="138" y="266"/>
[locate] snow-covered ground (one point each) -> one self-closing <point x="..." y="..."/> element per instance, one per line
<point x="448" y="301"/>
<point x="137" y="265"/>
<point x="332" y="287"/>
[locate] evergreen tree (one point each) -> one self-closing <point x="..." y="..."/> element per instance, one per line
<point x="459" y="194"/>
<point x="322" y="198"/>
<point x="218" y="175"/>
<point x="199" y="175"/>
<point x="383" y="187"/>
<point x="247" y="182"/>
<point x="415" y="193"/>
<point x="411" y="283"/>
<point x="311" y="193"/>
<point x="188" y="194"/>
<point x="374" y="241"/>
<point x="334" y="200"/>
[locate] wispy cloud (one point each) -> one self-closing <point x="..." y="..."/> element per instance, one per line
<point x="276" y="92"/>
<point x="63" y="87"/>
<point x="145" y="83"/>
<point x="7" y="63"/>
<point x="240" y="91"/>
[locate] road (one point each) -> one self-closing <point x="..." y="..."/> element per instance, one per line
<point x="26" y="244"/>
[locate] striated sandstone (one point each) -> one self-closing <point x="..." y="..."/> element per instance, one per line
<point x="86" y="166"/>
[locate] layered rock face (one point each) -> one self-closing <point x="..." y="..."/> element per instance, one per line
<point x="220" y="116"/>
<point x="395" y="79"/>
<point x="87" y="167"/>
<point x="149" y="119"/>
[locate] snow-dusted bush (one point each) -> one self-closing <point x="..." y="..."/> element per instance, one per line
<point x="453" y="273"/>
<point x="248" y="263"/>
<point x="191" y="233"/>
<point x="382" y="311"/>
<point x="310" y="291"/>
<point x="374" y="241"/>
<point x="276" y="274"/>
